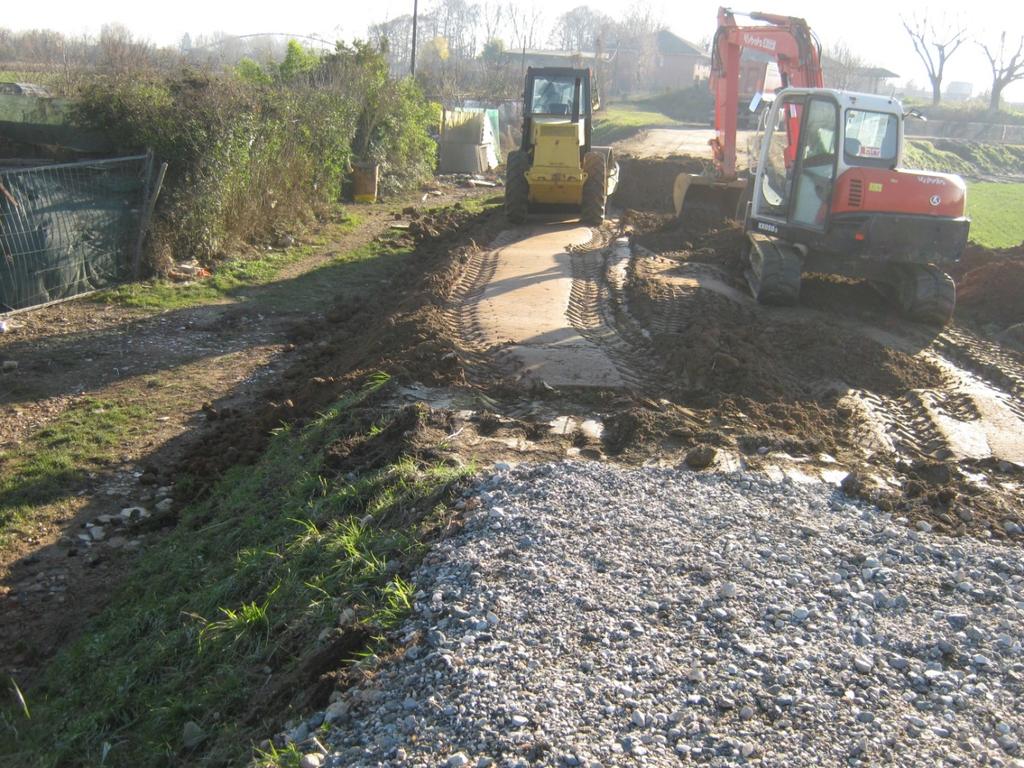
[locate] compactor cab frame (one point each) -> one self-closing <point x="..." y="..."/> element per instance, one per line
<point x="556" y="167"/>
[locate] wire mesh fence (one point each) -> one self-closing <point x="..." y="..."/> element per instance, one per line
<point x="68" y="229"/>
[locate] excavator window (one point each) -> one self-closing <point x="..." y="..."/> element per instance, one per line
<point x="777" y="180"/>
<point x="872" y="138"/>
<point x="813" y="189"/>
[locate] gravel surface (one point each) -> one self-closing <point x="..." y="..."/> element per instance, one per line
<point x="598" y="616"/>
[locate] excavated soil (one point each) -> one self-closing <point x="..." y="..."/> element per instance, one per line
<point x="355" y="340"/>
<point x="705" y="368"/>
<point x="646" y="184"/>
<point x="765" y="381"/>
<point x="990" y="286"/>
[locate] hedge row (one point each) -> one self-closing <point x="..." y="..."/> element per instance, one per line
<point x="248" y="155"/>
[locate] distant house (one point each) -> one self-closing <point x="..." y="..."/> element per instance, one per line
<point x="958" y="90"/>
<point x="859" y="79"/>
<point x="597" y="63"/>
<point x="680" y="63"/>
<point x="532" y="57"/>
<point x="662" y="61"/>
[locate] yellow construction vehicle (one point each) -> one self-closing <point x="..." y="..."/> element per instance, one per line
<point x="555" y="167"/>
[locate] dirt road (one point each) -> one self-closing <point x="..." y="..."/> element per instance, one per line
<point x="676" y="142"/>
<point x="518" y="300"/>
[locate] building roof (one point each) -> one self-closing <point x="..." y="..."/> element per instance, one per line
<point x="673" y="44"/>
<point x="568" y="55"/>
<point x="881" y="72"/>
<point x="876" y="72"/>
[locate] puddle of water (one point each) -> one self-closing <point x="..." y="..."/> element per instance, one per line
<point x="567" y="425"/>
<point x="801" y="477"/>
<point x="998" y="431"/>
<point x="466" y="404"/>
<point x="562" y="425"/>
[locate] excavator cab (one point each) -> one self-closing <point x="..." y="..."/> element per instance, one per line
<point x="830" y="196"/>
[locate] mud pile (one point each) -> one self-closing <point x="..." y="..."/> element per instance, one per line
<point x="717" y="348"/>
<point x="714" y="242"/>
<point x="990" y="286"/>
<point x="646" y="184"/>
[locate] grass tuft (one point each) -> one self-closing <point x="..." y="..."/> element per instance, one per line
<point x="231" y="603"/>
<point x="55" y="460"/>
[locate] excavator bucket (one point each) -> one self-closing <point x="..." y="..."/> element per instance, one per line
<point x="705" y="199"/>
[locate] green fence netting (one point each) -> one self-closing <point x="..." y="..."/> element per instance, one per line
<point x="67" y="229"/>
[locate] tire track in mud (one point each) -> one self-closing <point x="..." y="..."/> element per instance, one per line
<point x="905" y="424"/>
<point x="462" y="315"/>
<point x="998" y="367"/>
<point x="597" y="310"/>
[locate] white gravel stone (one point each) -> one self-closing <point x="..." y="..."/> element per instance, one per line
<point x="848" y="640"/>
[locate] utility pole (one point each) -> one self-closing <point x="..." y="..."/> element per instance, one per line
<point x="415" y="9"/>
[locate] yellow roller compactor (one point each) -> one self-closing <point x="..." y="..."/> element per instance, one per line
<point x="556" y="168"/>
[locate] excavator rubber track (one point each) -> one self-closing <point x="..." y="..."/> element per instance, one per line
<point x="926" y="293"/>
<point x="774" y="271"/>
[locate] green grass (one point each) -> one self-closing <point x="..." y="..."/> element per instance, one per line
<point x="247" y="581"/>
<point x="57" y="458"/>
<point x="969" y="159"/>
<point x="228" y="280"/>
<point x="997" y="214"/>
<point x="620" y="121"/>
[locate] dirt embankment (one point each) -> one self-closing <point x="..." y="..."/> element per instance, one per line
<point x="646" y="184"/>
<point x="990" y="286"/>
<point x="354" y="340"/>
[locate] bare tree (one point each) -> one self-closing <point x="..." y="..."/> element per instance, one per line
<point x="842" y="67"/>
<point x="73" y="56"/>
<point x="491" y="13"/>
<point x="945" y="41"/>
<point x="1004" y="71"/>
<point x="579" y="29"/>
<point x="120" y="52"/>
<point x="525" y="22"/>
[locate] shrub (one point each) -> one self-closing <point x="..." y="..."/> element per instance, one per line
<point x="249" y="153"/>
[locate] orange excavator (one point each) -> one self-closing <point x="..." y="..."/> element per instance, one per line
<point x="829" y="194"/>
<point x="786" y="40"/>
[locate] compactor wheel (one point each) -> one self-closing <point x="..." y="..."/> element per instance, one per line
<point x="774" y="272"/>
<point x="595" y="194"/>
<point x="926" y="294"/>
<point x="517" y="188"/>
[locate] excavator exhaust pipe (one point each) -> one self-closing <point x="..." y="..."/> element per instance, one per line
<point x="705" y="199"/>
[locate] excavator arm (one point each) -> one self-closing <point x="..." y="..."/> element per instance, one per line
<point x="787" y="39"/>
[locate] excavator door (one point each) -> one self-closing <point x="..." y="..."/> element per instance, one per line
<point x="798" y="163"/>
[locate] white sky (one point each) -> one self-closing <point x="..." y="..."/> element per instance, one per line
<point x="871" y="28"/>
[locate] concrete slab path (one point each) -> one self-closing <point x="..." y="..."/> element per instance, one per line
<point x="523" y="309"/>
